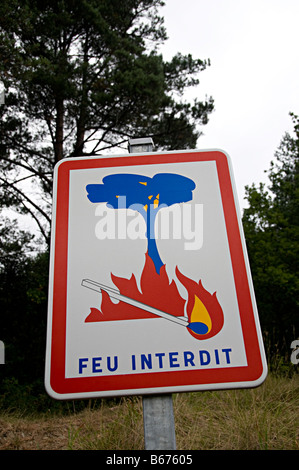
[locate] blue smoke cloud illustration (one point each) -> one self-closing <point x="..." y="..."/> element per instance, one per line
<point x="146" y="195"/>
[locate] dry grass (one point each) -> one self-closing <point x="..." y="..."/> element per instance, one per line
<point x="108" y="427"/>
<point x="262" y="418"/>
<point x="265" y="418"/>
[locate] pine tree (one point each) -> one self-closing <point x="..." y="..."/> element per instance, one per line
<point x="271" y="224"/>
<point x="81" y="77"/>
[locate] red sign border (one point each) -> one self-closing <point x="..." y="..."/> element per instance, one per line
<point x="127" y="384"/>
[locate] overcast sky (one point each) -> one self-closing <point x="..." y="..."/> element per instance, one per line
<point x="253" y="46"/>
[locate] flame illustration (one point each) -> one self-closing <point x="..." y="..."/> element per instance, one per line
<point x="155" y="290"/>
<point x="205" y="315"/>
<point x="203" y="309"/>
<point x="200" y="319"/>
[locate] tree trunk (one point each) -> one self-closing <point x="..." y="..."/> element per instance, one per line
<point x="151" y="240"/>
<point x="59" y="129"/>
<point x="81" y="123"/>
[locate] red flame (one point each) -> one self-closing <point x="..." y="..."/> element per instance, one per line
<point x="158" y="292"/>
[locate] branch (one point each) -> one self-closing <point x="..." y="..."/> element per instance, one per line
<point x="46" y="237"/>
<point x="28" y="168"/>
<point x="39" y="209"/>
<point x="29" y="150"/>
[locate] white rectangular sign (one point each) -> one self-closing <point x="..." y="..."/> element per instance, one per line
<point x="150" y="287"/>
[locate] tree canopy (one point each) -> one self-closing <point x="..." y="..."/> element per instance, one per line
<point x="143" y="194"/>
<point x="271" y="224"/>
<point x="81" y="77"/>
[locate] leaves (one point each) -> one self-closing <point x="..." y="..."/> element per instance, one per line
<point x="271" y="225"/>
<point x="81" y="78"/>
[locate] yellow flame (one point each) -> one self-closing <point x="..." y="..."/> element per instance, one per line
<point x="156" y="201"/>
<point x="200" y="314"/>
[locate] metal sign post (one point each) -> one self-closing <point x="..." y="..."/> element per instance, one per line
<point x="2" y="353"/>
<point x="158" y="420"/>
<point x="158" y="417"/>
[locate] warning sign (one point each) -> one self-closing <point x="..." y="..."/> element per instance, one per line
<point x="150" y="287"/>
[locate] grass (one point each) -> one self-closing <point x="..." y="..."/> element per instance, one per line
<point x="265" y="418"/>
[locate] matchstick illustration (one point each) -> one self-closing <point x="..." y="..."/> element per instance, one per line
<point x="115" y="294"/>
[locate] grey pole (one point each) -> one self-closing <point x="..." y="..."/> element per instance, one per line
<point x="158" y="422"/>
<point x="158" y="417"/>
<point x="2" y="353"/>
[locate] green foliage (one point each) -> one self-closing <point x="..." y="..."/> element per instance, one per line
<point x="23" y="307"/>
<point x="81" y="78"/>
<point x="271" y="225"/>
